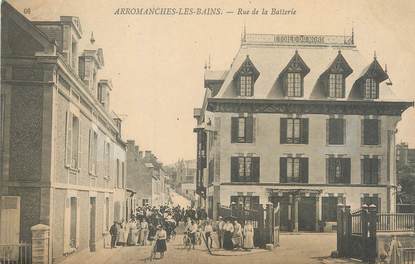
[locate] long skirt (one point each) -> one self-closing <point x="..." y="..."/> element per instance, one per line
<point x="227" y="240"/>
<point x="161" y="245"/>
<point x="249" y="240"/>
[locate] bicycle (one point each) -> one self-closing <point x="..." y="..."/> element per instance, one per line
<point x="187" y="241"/>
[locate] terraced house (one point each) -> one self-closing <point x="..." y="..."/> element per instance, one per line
<point x="303" y="121"/>
<point x="62" y="156"/>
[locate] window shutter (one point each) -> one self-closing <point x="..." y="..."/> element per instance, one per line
<point x="344" y="131"/>
<point x="375" y="171"/>
<point x="67" y="225"/>
<point x="362" y="129"/>
<point x="283" y="170"/>
<point x="346" y="170"/>
<point x="90" y="151"/>
<point x="255" y="169"/>
<point x="234" y="129"/>
<point x="68" y="156"/>
<point x="78" y="222"/>
<point x="326" y="208"/>
<point x="340" y="131"/>
<point x="249" y="125"/>
<point x="331" y="170"/>
<point x="283" y="130"/>
<point x="234" y="169"/>
<point x="304" y="170"/>
<point x="79" y="144"/>
<point x="328" y="131"/>
<point x="379" y="132"/>
<point x="304" y="130"/>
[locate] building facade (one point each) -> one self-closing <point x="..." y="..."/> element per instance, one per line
<point x="186" y="178"/>
<point x="146" y="177"/>
<point x="62" y="151"/>
<point x="300" y="121"/>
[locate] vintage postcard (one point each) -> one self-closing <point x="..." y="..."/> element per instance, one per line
<point x="216" y="131"/>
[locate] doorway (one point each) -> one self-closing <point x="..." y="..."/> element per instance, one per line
<point x="285" y="211"/>
<point x="92" y="219"/>
<point x="307" y="214"/>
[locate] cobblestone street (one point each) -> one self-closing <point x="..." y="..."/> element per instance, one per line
<point x="295" y="248"/>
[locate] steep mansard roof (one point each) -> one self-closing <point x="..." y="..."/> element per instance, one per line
<point x="271" y="60"/>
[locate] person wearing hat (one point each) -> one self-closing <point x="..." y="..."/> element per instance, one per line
<point x="228" y="230"/>
<point x="160" y="238"/>
<point x="114" y="233"/>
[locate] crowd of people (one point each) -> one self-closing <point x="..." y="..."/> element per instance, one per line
<point x="225" y="233"/>
<point x="156" y="226"/>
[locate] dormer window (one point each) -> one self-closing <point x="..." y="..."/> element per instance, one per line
<point x="246" y="85"/>
<point x="371" y="89"/>
<point x="336" y="85"/>
<point x="293" y="76"/>
<point x="294" y="84"/>
<point x="335" y="77"/>
<point x="367" y="85"/>
<point x="245" y="78"/>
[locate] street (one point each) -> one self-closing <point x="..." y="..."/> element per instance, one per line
<point x="295" y="248"/>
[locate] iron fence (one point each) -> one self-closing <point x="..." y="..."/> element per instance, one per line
<point x="16" y="253"/>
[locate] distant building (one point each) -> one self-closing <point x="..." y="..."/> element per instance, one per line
<point x="303" y="121"/>
<point x="405" y="156"/>
<point x="61" y="146"/>
<point x="185" y="178"/>
<point x="146" y="176"/>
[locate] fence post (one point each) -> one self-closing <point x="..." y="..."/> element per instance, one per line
<point x="40" y="244"/>
<point x="347" y="231"/>
<point x="340" y="225"/>
<point x="371" y="245"/>
<point x="268" y="223"/>
<point x="365" y="232"/>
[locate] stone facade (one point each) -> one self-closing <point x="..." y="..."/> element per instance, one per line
<point x="248" y="153"/>
<point x="62" y="151"/>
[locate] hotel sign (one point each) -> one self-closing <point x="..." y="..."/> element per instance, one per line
<point x="281" y="39"/>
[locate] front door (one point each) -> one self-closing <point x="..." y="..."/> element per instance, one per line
<point x="92" y="216"/>
<point x="307" y="214"/>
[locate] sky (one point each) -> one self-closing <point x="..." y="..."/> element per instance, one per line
<point x="156" y="63"/>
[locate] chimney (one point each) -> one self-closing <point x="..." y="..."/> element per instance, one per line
<point x="148" y="154"/>
<point x="140" y="154"/>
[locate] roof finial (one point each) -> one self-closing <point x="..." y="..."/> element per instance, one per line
<point x="244" y="32"/>
<point x="340" y="52"/>
<point x="209" y="63"/>
<point x="374" y="55"/>
<point x="205" y="67"/>
<point x="92" y="40"/>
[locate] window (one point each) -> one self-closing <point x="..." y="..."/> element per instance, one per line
<point x="370" y="170"/>
<point x="72" y="142"/>
<point x="293" y="170"/>
<point x="242" y="129"/>
<point x="371" y="88"/>
<point x="122" y="175"/>
<point x="245" y="202"/>
<point x="118" y="173"/>
<point x="107" y="159"/>
<point x="210" y="172"/>
<point x="93" y="145"/>
<point x="245" y="169"/>
<point x="294" y="84"/>
<point x="329" y="212"/>
<point x="335" y="131"/>
<point x="336" y="85"/>
<point x="371" y="131"/>
<point x="338" y="170"/>
<point x="246" y="85"/>
<point x="294" y="130"/>
<point x="375" y="200"/>
<point x="145" y="202"/>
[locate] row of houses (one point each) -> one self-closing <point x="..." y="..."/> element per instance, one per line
<point x="305" y="122"/>
<point x="64" y="162"/>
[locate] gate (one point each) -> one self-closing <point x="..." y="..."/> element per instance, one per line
<point x="276" y="226"/>
<point x="16" y="254"/>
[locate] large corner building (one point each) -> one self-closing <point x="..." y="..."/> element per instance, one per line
<point x="303" y="121"/>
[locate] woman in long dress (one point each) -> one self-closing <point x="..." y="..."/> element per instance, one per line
<point x="249" y="236"/>
<point x="160" y="238"/>
<point x="227" y="235"/>
<point x="237" y="235"/>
